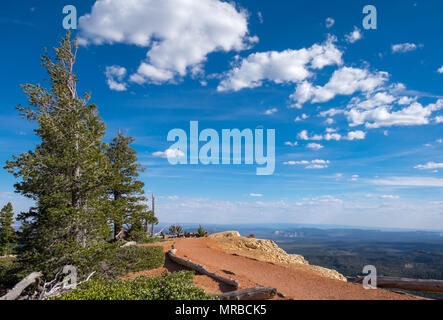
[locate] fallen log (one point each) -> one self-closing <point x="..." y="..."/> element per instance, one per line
<point x="420" y="285"/>
<point x="199" y="268"/>
<point x="128" y="244"/>
<point x="257" y="293"/>
<point x="15" y="292"/>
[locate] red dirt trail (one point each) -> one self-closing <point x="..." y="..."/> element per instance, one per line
<point x="293" y="283"/>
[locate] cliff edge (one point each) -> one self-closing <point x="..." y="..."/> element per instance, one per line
<point x="268" y="251"/>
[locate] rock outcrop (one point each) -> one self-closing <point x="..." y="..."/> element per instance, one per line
<point x="267" y="250"/>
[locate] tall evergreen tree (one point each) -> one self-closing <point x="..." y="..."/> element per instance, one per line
<point x="66" y="171"/>
<point x="7" y="232"/>
<point x="124" y="188"/>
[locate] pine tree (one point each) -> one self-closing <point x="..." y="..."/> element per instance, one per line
<point x="7" y="232"/>
<point x="66" y="171"/>
<point x="125" y="190"/>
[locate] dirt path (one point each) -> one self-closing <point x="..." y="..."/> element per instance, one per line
<point x="299" y="284"/>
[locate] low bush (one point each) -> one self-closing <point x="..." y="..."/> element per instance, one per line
<point x="9" y="274"/>
<point x="112" y="260"/>
<point x="175" y="286"/>
<point x="107" y="260"/>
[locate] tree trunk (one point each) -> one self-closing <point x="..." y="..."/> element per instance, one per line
<point x="15" y="292"/>
<point x="119" y="230"/>
<point x="199" y="268"/>
<point x="153" y="213"/>
<point x="257" y="293"/>
<point x="421" y="285"/>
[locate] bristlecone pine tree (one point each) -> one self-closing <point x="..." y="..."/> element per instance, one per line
<point x="7" y="232"/>
<point x="66" y="173"/>
<point x="125" y="190"/>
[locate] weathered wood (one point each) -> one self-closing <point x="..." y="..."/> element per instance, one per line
<point x="420" y="285"/>
<point x="257" y="293"/>
<point x="128" y="244"/>
<point x="15" y="292"/>
<point x="199" y="268"/>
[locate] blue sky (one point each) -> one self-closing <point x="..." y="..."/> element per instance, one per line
<point x="367" y="103"/>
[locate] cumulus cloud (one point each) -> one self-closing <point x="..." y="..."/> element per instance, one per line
<point x="289" y="66"/>
<point x="403" y="47"/>
<point x="355" y="177"/>
<point x="331" y="112"/>
<point x="386" y="116"/>
<point x="429" y="166"/>
<point x="332" y="135"/>
<point x="114" y="78"/>
<point x="312" y="164"/>
<point x="329" y="22"/>
<point x="314" y="146"/>
<point x="302" y="117"/>
<point x="179" y="34"/>
<point x="256" y="195"/>
<point x="354" y="36"/>
<point x="169" y="153"/>
<point x="344" y="81"/>
<point x="440" y="70"/>
<point x="271" y="111"/>
<point x="356" y="135"/>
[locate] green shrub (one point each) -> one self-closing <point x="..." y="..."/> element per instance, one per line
<point x="10" y="274"/>
<point x="113" y="261"/>
<point x="106" y="259"/>
<point x="176" y="286"/>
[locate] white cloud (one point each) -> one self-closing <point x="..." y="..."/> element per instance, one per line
<point x="403" y="47"/>
<point x="302" y="117"/>
<point x="376" y="100"/>
<point x="169" y="153"/>
<point x="321" y="199"/>
<point x="179" y="34"/>
<point x="331" y="112"/>
<point x="314" y="146"/>
<point x="313" y="164"/>
<point x="329" y="22"/>
<point x="355" y="177"/>
<point x="260" y="17"/>
<point x="281" y="67"/>
<point x="155" y="75"/>
<point x="256" y="195"/>
<point x="332" y="135"/>
<point x="389" y="196"/>
<point x="291" y="144"/>
<point x="329" y="121"/>
<point x="410" y="182"/>
<point x="344" y="81"/>
<point x="438" y="119"/>
<point x="303" y="135"/>
<point x="440" y="70"/>
<point x="313" y="209"/>
<point x="114" y="78"/>
<point x="429" y="166"/>
<point x="384" y="116"/>
<point x="354" y="36"/>
<point x="270" y="112"/>
<point x="356" y="135"/>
